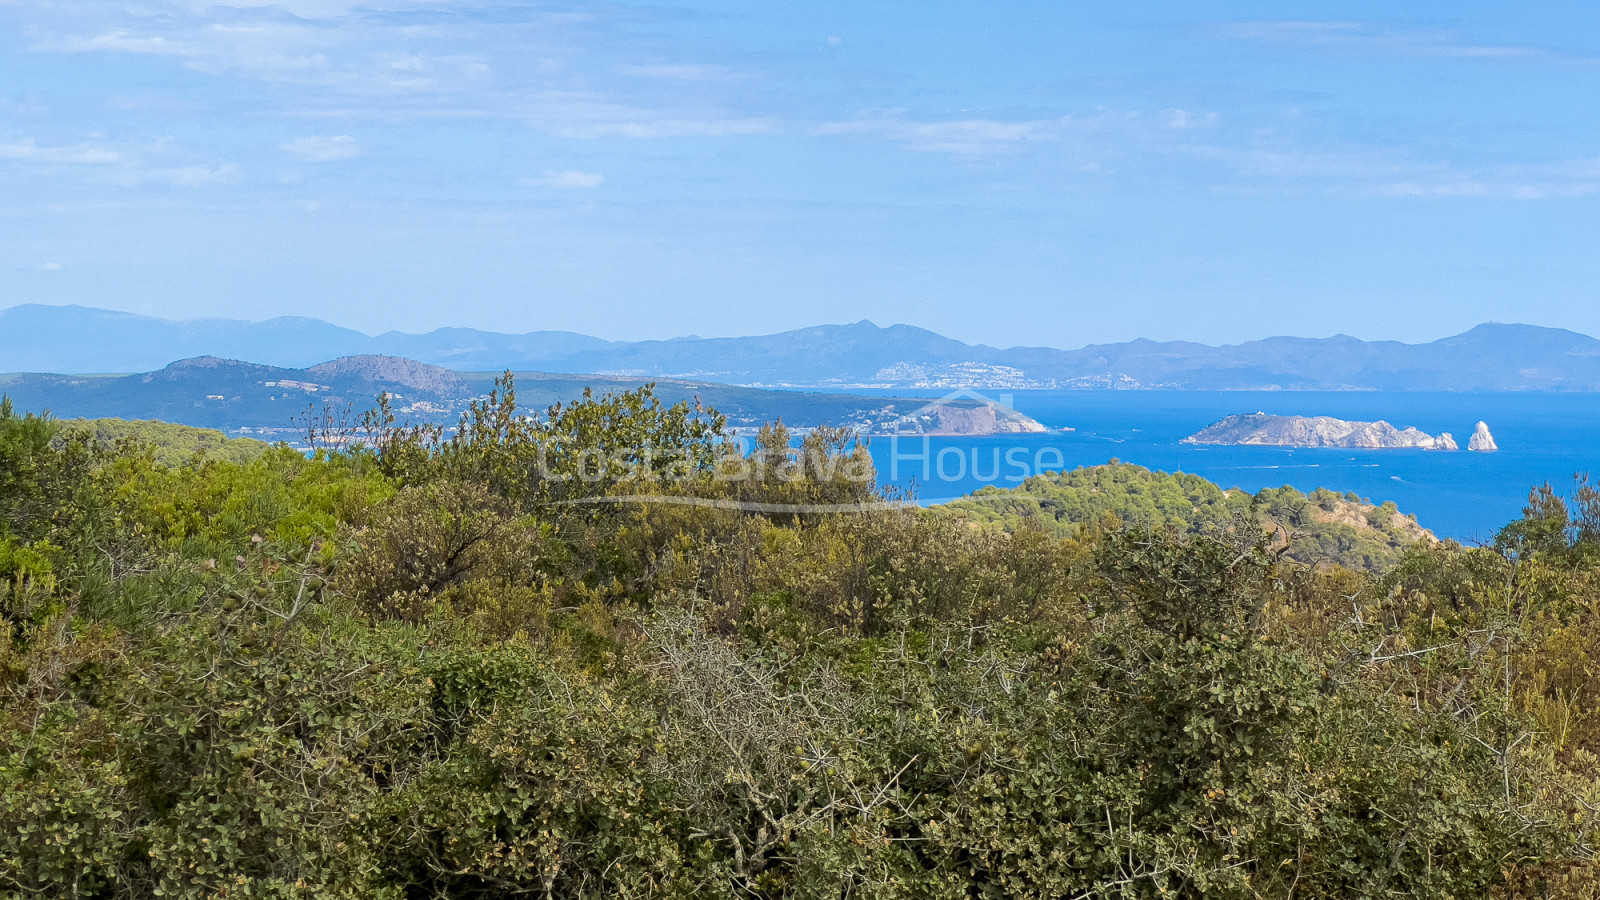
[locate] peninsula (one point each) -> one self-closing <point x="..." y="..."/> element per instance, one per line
<point x="968" y="415"/>
<point x="1260" y="429"/>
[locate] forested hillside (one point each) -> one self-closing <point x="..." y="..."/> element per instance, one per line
<point x="451" y="668"/>
<point x="171" y="444"/>
<point x="246" y="398"/>
<point x="1322" y="526"/>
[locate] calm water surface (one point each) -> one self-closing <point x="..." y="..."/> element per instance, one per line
<point x="1543" y="437"/>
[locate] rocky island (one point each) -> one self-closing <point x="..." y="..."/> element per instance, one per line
<point x="1260" y="429"/>
<point x="970" y="415"/>
<point x="1481" y="439"/>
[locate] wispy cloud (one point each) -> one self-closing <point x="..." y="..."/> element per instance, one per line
<point x="30" y="107"/>
<point x="586" y="71"/>
<point x="29" y="150"/>
<point x="1210" y="153"/>
<point x="587" y="114"/>
<point x="569" y="178"/>
<point x="1551" y="181"/>
<point x="1102" y="131"/>
<point x="161" y="162"/>
<point x="1185" y="120"/>
<point x="964" y="136"/>
<point x="365" y="54"/>
<point x="680" y="71"/>
<point x="286" y="52"/>
<point x="1366" y="37"/>
<point x="1392" y="172"/>
<point x="658" y="126"/>
<point x="179" y="176"/>
<point x="150" y="103"/>
<point x="559" y="70"/>
<point x="323" y="149"/>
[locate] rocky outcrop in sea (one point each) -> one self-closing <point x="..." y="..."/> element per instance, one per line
<point x="965" y="418"/>
<point x="1260" y="429"/>
<point x="1482" y="440"/>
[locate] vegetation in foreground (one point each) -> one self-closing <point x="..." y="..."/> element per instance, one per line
<point x="428" y="668"/>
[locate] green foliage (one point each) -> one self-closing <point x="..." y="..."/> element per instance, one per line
<point x="574" y="453"/>
<point x="423" y="547"/>
<point x="280" y="496"/>
<point x="172" y="444"/>
<point x="419" y="669"/>
<point x="1133" y="495"/>
<point x="1553" y="526"/>
<point x="27" y="490"/>
<point x="1322" y="526"/>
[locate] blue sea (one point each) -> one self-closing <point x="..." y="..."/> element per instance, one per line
<point x="1461" y="495"/>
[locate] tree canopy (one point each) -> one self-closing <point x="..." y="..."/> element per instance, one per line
<point x="1322" y="526"/>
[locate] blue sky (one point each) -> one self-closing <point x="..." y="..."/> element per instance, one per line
<point x="1022" y="173"/>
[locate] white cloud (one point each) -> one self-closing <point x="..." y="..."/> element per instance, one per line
<point x="277" y="50"/>
<point x="315" y="9"/>
<point x="31" y="107"/>
<point x="1565" y="179"/>
<point x="1084" y="138"/>
<point x="1374" y="38"/>
<point x="669" y="127"/>
<point x="78" y="154"/>
<point x="590" y="115"/>
<point x="1184" y="120"/>
<point x="570" y="178"/>
<point x="576" y="71"/>
<point x="358" y="56"/>
<point x="680" y="71"/>
<point x="323" y="149"/>
<point x="51" y="267"/>
<point x="1395" y="172"/>
<point x="1109" y="141"/>
<point x="565" y="71"/>
<point x="128" y="164"/>
<point x="959" y="136"/>
<point x="181" y="176"/>
<point x="149" y="103"/>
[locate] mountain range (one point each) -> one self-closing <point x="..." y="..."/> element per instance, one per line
<point x="279" y="403"/>
<point x="1490" y="357"/>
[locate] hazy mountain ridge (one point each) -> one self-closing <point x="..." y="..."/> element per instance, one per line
<point x="209" y="392"/>
<point x="274" y="402"/>
<point x="1489" y="357"/>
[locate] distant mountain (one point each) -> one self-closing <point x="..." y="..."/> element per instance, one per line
<point x="470" y="350"/>
<point x="208" y="392"/>
<point x="274" y="402"/>
<point x="1487" y="358"/>
<point x="80" y="339"/>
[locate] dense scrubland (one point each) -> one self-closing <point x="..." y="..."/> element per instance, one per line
<point x="1322" y="526"/>
<point x="429" y="667"/>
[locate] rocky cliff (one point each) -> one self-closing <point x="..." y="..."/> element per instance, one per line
<point x="1481" y="439"/>
<point x="1260" y="429"/>
<point x="964" y="417"/>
